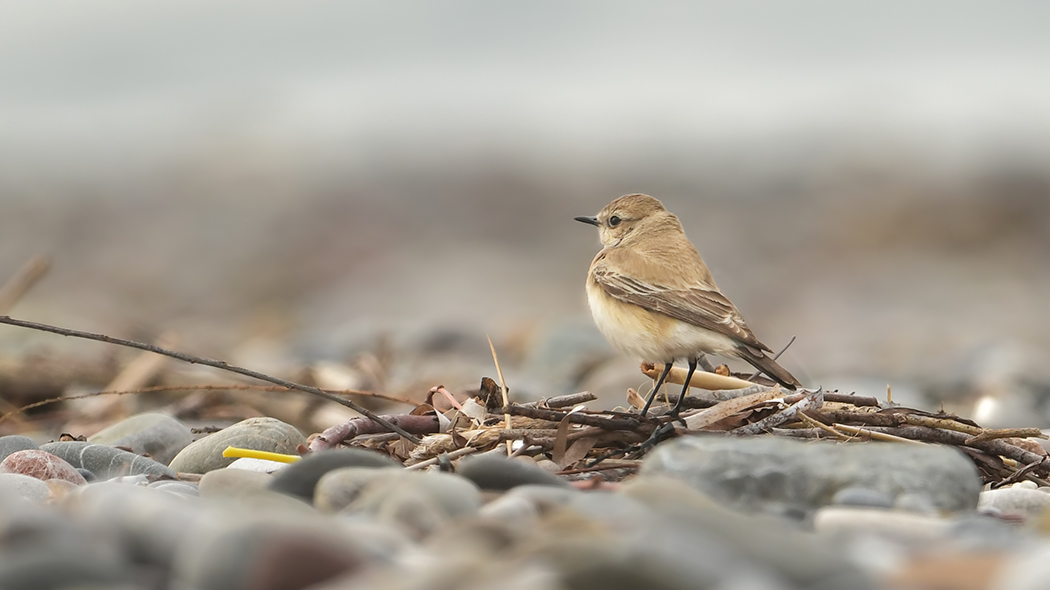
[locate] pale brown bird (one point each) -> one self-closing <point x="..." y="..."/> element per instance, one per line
<point x="653" y="297"/>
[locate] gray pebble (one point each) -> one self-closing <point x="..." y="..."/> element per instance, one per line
<point x="300" y="478"/>
<point x="498" y="473"/>
<point x="919" y="503"/>
<point x="149" y="523"/>
<point x="181" y="488"/>
<point x="338" y="488"/>
<point x="13" y="443"/>
<point x="104" y="461"/>
<point x="260" y="434"/>
<point x="1017" y="501"/>
<point x="157" y="435"/>
<point x="793" y="478"/>
<point x="24" y="486"/>
<point x="232" y="483"/>
<point x="454" y="495"/>
<point x="856" y="496"/>
<point x="282" y="554"/>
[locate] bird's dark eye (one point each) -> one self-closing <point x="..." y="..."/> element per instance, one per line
<point x="614" y="221"/>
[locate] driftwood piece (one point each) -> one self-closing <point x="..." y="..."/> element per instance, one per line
<point x="356" y="426"/>
<point x="811" y="401"/>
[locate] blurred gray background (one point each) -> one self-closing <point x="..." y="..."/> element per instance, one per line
<point x="307" y="181"/>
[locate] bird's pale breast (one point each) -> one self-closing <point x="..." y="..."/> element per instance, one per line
<point x="650" y="336"/>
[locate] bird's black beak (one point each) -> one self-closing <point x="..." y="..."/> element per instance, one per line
<point x="591" y="220"/>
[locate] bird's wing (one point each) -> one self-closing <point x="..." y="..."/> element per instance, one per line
<point x="698" y="305"/>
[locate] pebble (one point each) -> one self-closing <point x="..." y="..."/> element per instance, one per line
<point x="24" y="486"/>
<point x="855" y="496"/>
<point x="149" y="524"/>
<point x="180" y="488"/>
<point x="919" y="503"/>
<point x="1015" y="501"/>
<point x="794" y="478"/>
<point x="260" y="434"/>
<point x="41" y="465"/>
<point x="900" y="526"/>
<point x="75" y="562"/>
<point x="338" y="488"/>
<point x="497" y="472"/>
<point x="13" y="442"/>
<point x="1029" y="570"/>
<point x="105" y="461"/>
<point x="300" y="478"/>
<point x="266" y="554"/>
<point x="456" y="496"/>
<point x="418" y="503"/>
<point x="232" y="483"/>
<point x="158" y="435"/>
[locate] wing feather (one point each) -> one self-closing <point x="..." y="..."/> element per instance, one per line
<point x="697" y="305"/>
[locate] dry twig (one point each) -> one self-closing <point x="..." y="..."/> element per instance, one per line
<point x="223" y="365"/>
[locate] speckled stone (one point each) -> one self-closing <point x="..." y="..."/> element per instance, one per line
<point x="260" y="434"/>
<point x="104" y="461"/>
<point x="41" y="465"/>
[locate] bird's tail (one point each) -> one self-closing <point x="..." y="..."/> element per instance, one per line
<point x="760" y="361"/>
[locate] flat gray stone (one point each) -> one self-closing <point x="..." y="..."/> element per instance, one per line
<point x="498" y="473"/>
<point x="794" y="478"/>
<point x="857" y="496"/>
<point x="260" y="434"/>
<point x="14" y="443"/>
<point x="232" y="483"/>
<point x="338" y="488"/>
<point x="24" y="486"/>
<point x="300" y="478"/>
<point x="105" y="461"/>
<point x="1015" y="501"/>
<point x="158" y="435"/>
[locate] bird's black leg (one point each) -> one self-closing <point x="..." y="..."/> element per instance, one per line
<point x="659" y="382"/>
<point x="685" y="388"/>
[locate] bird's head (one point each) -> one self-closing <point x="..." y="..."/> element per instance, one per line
<point x="627" y="215"/>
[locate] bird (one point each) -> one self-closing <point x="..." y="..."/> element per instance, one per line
<point x="653" y="298"/>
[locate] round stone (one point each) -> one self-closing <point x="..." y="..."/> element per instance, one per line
<point x="24" y="486"/>
<point x="260" y="434"/>
<point x="497" y="472"/>
<point x="106" y="462"/>
<point x="14" y="442"/>
<point x="857" y="496"/>
<point x="232" y="483"/>
<point x="157" y="435"/>
<point x="41" y="465"/>
<point x="300" y="478"/>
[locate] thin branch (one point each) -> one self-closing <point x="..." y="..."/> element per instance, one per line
<point x="456" y="454"/>
<point x="577" y="418"/>
<point x="775" y="357"/>
<point x="167" y="388"/>
<point x="811" y="401"/>
<point x="223" y="365"/>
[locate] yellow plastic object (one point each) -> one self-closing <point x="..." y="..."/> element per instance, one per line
<point x="265" y="455"/>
